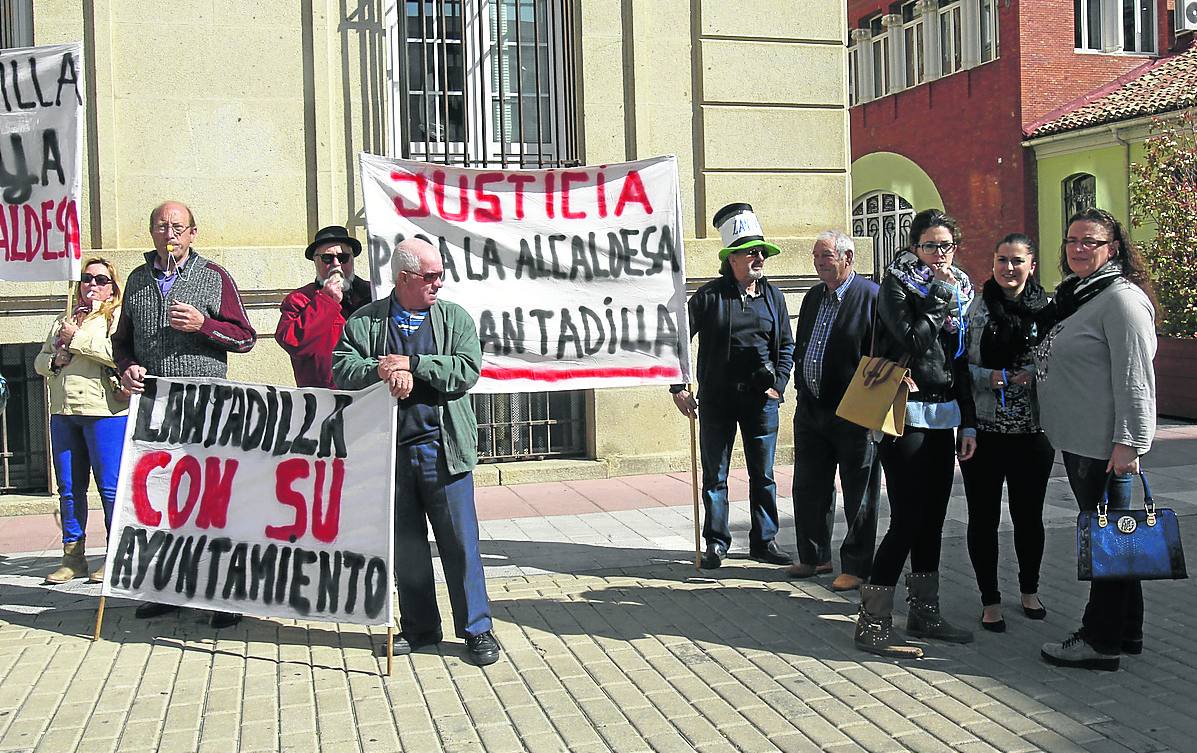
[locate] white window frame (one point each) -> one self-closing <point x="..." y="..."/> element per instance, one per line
<point x="853" y="98"/>
<point x="915" y="70"/>
<point x="1111" y="36"/>
<point x="879" y="54"/>
<point x="951" y="45"/>
<point x="1080" y="20"/>
<point x="17" y="15"/>
<point x="483" y="130"/>
<point x="864" y="65"/>
<point x="989" y="15"/>
<point x="1144" y="40"/>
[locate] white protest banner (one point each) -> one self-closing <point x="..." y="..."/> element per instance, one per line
<point x="41" y="161"/>
<point x="575" y="277"/>
<point x="268" y="501"/>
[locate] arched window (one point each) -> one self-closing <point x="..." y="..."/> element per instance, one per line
<point x="885" y="217"/>
<point x="1080" y="192"/>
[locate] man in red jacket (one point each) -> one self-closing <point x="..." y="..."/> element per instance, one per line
<point x="314" y="315"/>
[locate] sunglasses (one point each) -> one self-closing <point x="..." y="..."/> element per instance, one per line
<point x="97" y="279"/>
<point x="750" y="252"/>
<point x="343" y="257"/>
<point x="428" y="277"/>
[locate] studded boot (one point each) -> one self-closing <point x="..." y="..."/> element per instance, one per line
<point x="74" y="564"/>
<point x="923" y="619"/>
<point x="875" y="625"/>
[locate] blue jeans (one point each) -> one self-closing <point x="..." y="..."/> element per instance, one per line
<point x="83" y="445"/>
<point x="426" y="493"/>
<point x="1115" y="609"/>
<point x="756" y="416"/>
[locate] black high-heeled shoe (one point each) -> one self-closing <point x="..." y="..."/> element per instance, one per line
<point x="1035" y="614"/>
<point x="994" y="627"/>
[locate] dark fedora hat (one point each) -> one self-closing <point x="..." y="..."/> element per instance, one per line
<point x="333" y="234"/>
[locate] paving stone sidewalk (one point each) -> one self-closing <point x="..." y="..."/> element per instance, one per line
<point x="612" y="643"/>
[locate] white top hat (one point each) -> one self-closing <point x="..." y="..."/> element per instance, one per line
<point x="741" y="230"/>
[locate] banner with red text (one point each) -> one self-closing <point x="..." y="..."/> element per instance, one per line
<point x="575" y="277"/>
<point x="267" y="501"/>
<point x="41" y="162"/>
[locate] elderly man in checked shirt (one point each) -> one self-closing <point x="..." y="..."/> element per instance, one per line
<point x="835" y="326"/>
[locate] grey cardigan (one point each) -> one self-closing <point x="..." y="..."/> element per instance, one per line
<point x="1097" y="383"/>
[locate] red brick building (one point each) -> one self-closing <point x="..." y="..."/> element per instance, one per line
<point x="943" y="92"/>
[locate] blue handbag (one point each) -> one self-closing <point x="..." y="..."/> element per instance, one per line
<point x="1129" y="544"/>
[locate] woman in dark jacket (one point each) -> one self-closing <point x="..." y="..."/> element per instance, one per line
<point x="1012" y="450"/>
<point x="922" y="309"/>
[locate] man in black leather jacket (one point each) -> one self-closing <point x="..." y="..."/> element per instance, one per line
<point x="745" y="355"/>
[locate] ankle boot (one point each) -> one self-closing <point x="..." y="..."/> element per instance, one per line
<point x="923" y="619"/>
<point x="97" y="576"/>
<point x="74" y="564"/>
<point x="875" y="625"/>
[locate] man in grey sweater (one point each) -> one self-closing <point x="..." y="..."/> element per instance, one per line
<point x="181" y="316"/>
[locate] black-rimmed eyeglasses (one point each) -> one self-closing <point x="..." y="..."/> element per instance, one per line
<point x="342" y="257"/>
<point x="931" y="247"/>
<point x="1089" y="244"/>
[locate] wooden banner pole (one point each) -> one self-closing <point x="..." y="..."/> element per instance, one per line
<point x="694" y="491"/>
<point x="390" y="649"/>
<point x="99" y="619"/>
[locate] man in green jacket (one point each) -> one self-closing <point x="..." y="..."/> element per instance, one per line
<point x="427" y="351"/>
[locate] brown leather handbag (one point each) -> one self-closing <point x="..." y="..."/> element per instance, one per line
<point x="876" y="397"/>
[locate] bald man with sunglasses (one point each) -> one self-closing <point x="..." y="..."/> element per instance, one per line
<point x="314" y="316"/>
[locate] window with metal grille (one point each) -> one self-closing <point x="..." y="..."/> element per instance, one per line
<point x="16" y="23"/>
<point x="886" y="218"/>
<point x="483" y="83"/>
<point x="491" y="83"/>
<point x="24" y="422"/>
<point x="1080" y="193"/>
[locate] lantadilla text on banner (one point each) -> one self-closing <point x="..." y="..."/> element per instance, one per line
<point x="41" y="157"/>
<point x="575" y="277"/>
<point x="259" y="500"/>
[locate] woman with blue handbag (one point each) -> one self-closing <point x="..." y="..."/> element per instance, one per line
<point x="1097" y="404"/>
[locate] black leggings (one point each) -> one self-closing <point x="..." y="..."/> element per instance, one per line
<point x="918" y="476"/>
<point x="1023" y="463"/>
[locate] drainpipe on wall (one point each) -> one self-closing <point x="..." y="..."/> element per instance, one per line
<point x="1126" y="168"/>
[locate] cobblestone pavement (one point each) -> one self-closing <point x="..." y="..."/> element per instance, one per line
<point x="612" y="643"/>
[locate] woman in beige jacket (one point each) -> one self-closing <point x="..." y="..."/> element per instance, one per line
<point x="88" y="407"/>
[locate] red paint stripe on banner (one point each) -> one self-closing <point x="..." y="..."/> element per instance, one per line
<point x="547" y="375"/>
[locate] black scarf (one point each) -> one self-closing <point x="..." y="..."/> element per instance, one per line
<point x="1011" y="329"/>
<point x="1074" y="292"/>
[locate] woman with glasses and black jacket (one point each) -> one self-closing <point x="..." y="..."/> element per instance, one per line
<point x="922" y="311"/>
<point x="1096" y="389"/>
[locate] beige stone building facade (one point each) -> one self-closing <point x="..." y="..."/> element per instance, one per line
<point x="254" y="114"/>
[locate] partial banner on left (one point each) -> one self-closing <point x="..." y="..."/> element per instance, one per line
<point x="41" y="162"/>
<point x="260" y="500"/>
